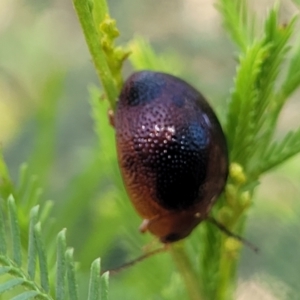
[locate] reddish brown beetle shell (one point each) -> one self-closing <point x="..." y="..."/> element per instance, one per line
<point x="172" y="153"/>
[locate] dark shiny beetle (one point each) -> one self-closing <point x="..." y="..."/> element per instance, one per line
<point x="172" y="153"/>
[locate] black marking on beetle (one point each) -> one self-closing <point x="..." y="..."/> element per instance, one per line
<point x="143" y="89"/>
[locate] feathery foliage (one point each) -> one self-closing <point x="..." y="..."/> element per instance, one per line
<point x="203" y="266"/>
<point x="25" y="269"/>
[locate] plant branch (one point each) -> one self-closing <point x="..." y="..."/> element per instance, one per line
<point x="187" y="271"/>
<point x="92" y="38"/>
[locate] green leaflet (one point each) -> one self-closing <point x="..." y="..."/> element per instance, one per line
<point x="238" y="21"/>
<point x="60" y="291"/>
<point x="96" y="282"/>
<point x="71" y="277"/>
<point x="15" y="232"/>
<point x="241" y="115"/>
<point x="280" y="151"/>
<point x="143" y="57"/>
<point x="255" y="103"/>
<point x="11" y="262"/>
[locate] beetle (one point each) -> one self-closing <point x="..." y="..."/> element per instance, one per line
<point x="172" y="153"/>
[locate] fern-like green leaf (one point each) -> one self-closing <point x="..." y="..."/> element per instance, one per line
<point x="279" y="152"/>
<point x="31" y="243"/>
<point x="95" y="281"/>
<point x="269" y="104"/>
<point x="292" y="80"/>
<point x="42" y="257"/>
<point x="15" y="231"/>
<point x="104" y="286"/>
<point x="72" y="285"/>
<point x="23" y="180"/>
<point x="243" y="99"/>
<point x="10" y="284"/>
<point x="251" y="118"/>
<point x="144" y="57"/>
<point x="6" y="186"/>
<point x="4" y="270"/>
<point x="3" y="246"/>
<point x="12" y="263"/>
<point x="238" y="21"/>
<point x="42" y="155"/>
<point x="26" y="295"/>
<point x="65" y="267"/>
<point x="265" y="110"/>
<point x="45" y="211"/>
<point x="31" y="190"/>
<point x="276" y="37"/>
<point x="61" y="266"/>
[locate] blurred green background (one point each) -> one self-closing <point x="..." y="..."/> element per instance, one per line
<point x="45" y="119"/>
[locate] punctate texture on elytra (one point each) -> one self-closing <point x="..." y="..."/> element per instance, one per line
<point x="172" y="153"/>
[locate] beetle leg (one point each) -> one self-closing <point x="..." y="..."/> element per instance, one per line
<point x="144" y="226"/>
<point x="111" y="117"/>
<point x="233" y="235"/>
<point x="164" y="248"/>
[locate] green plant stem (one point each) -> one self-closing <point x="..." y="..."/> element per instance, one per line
<point x="227" y="265"/>
<point x="92" y="38"/>
<point x="18" y="272"/>
<point x="100" y="10"/>
<point x="226" y="284"/>
<point x="187" y="271"/>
